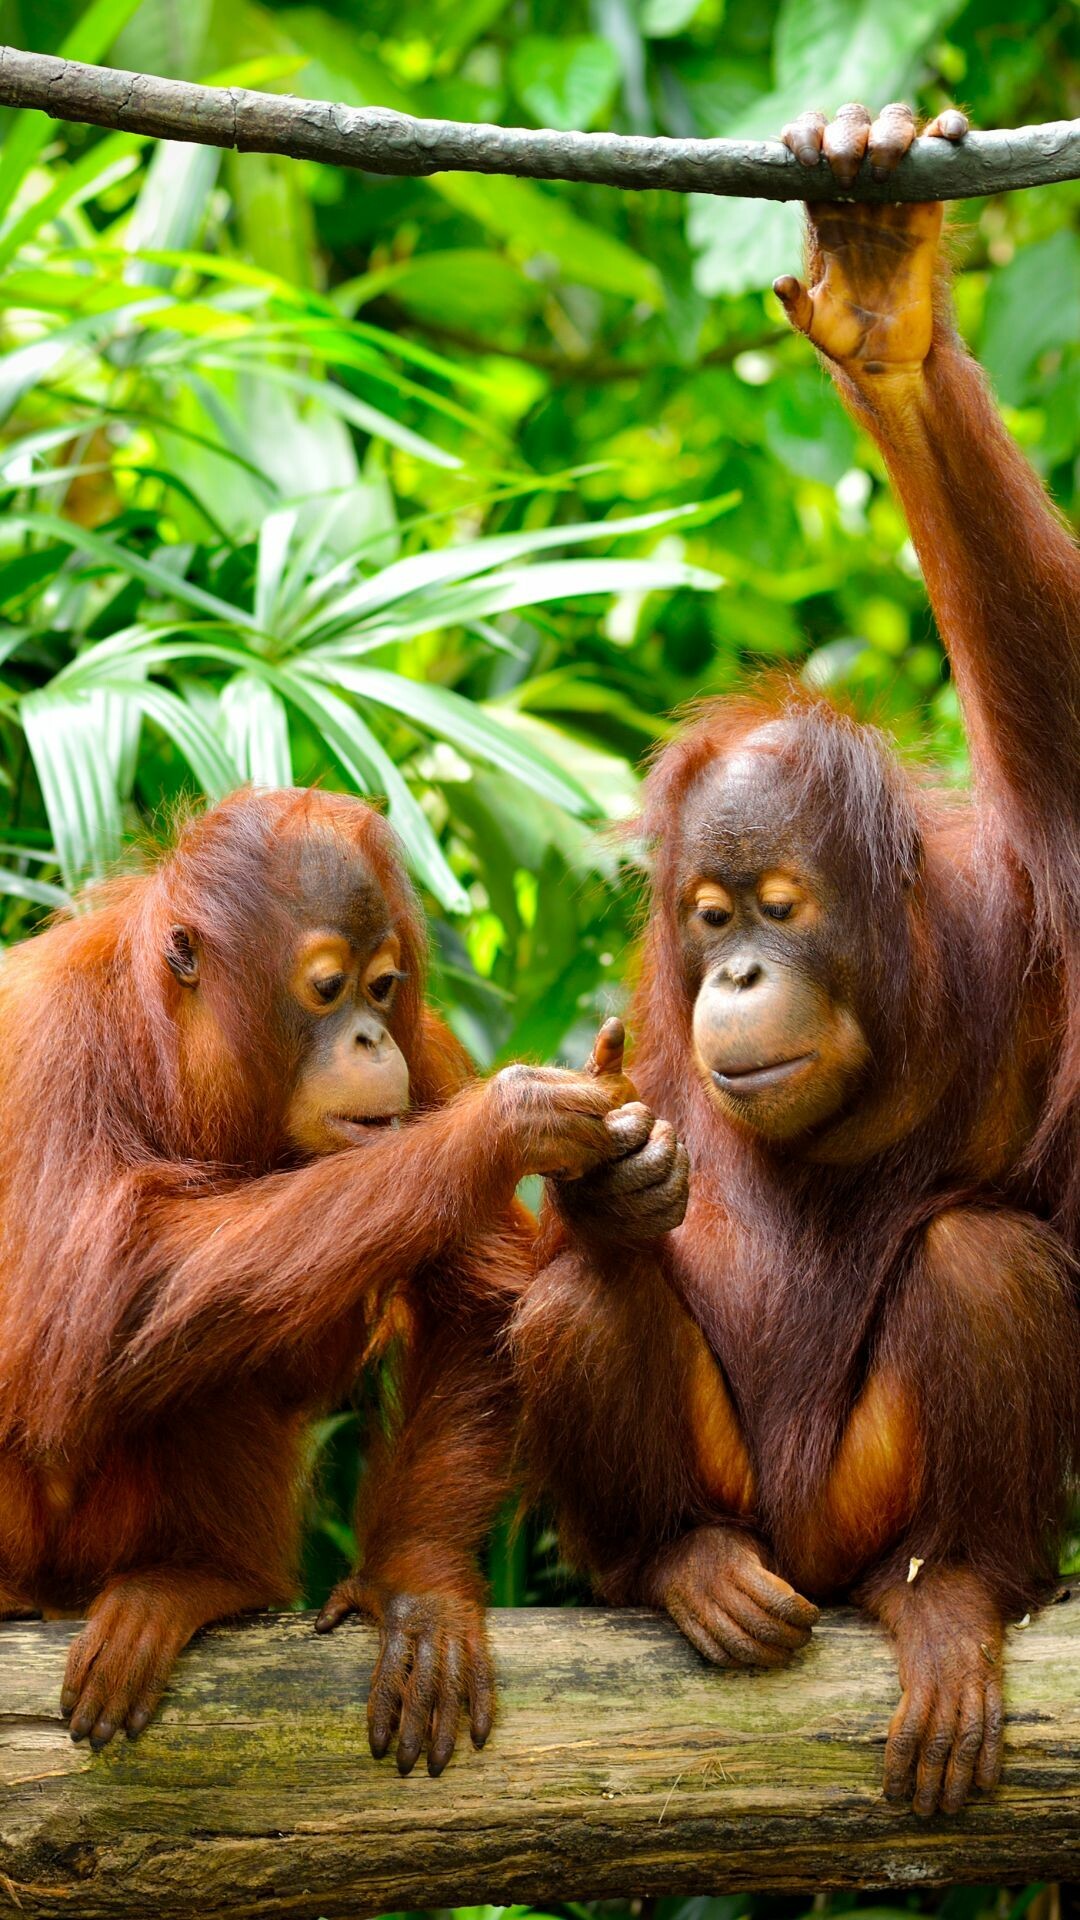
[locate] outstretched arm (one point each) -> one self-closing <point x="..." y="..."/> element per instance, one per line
<point x="184" y="1283"/>
<point x="1002" y="570"/>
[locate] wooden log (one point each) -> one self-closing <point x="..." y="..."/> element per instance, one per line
<point x="379" y="140"/>
<point x="621" y="1765"/>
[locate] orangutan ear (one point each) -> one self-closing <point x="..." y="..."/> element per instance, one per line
<point x="182" y="956"/>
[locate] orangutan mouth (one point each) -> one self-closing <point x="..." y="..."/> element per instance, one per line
<point x="741" y="1080"/>
<point x="357" y="1127"/>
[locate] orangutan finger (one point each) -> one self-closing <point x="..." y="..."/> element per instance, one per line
<point x="479" y="1688"/>
<point x="803" y="138"/>
<point x="763" y="1625"/>
<point x="649" y="1166"/>
<point x="446" y="1718"/>
<point x="844" y="142"/>
<point x="698" y="1635"/>
<point x="607" y="1054"/>
<point x="82" y="1656"/>
<point x="988" y="1771"/>
<point x="742" y="1647"/>
<point x="949" y="125"/>
<point x="631" y="1127"/>
<point x="796" y="302"/>
<point x="661" y="1209"/>
<point x="342" y="1602"/>
<point x="417" y="1703"/>
<point x="966" y="1748"/>
<point x="87" y="1710"/>
<point x="387" y="1687"/>
<point x="777" y="1596"/>
<point x="903" y="1742"/>
<point x="890" y="137"/>
<point x="935" y="1752"/>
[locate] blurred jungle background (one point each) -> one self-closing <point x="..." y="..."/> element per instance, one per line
<point x="454" y="491"/>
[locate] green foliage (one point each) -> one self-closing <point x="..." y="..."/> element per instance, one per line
<point x="958" y="1903"/>
<point x="394" y="484"/>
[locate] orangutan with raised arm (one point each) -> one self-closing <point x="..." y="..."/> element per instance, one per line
<point x="854" y="1370"/>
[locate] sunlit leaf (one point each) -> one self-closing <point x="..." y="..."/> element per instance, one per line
<point x="66" y="734"/>
<point x="90" y="37"/>
<point x="370" y="767"/>
<point x="438" y="710"/>
<point x="256" y="730"/>
<point x="24" y="887"/>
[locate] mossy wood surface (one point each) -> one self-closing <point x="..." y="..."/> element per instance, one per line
<point x="620" y="1765"/>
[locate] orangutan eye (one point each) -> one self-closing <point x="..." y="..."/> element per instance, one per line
<point x="329" y="987"/>
<point x="777" y="909"/>
<point x="383" y="986"/>
<point x="715" y="916"/>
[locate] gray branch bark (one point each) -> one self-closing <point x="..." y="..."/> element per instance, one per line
<point x="620" y="1765"/>
<point x="379" y="140"/>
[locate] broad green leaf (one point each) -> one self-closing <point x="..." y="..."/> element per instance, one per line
<point x="662" y="18"/>
<point x="347" y="735"/>
<point x="539" y="227"/>
<point x="122" y="730"/>
<point x="357" y="412"/>
<point x="172" y="203"/>
<point x="28" y="366"/>
<point x="275" y="536"/>
<point x="564" y="82"/>
<point x="535" y="224"/>
<point x="516" y="588"/>
<point x="1031" y="309"/>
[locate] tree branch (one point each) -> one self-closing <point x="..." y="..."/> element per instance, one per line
<point x="620" y="1765"/>
<point x="381" y="141"/>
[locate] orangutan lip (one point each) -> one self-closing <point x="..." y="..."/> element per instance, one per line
<point x="357" y="1128"/>
<point x="755" y="1079"/>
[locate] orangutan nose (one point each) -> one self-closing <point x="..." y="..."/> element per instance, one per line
<point x="372" y="1036"/>
<point x="740" y="971"/>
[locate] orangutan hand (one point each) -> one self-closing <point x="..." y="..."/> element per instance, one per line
<point x="946" y="1735"/>
<point x="719" y="1592"/>
<point x="630" y="1201"/>
<point x="563" y="1124"/>
<point x="869" y="305"/>
<point x="433" y="1663"/>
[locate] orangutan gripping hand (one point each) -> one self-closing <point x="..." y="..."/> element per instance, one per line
<point x="715" y="1585"/>
<point x="635" y="1198"/>
<point x="870" y="302"/>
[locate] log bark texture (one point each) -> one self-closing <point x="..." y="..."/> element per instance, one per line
<point x="620" y="1765"/>
<point x="381" y="141"/>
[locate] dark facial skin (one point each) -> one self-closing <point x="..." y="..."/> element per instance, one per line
<point x="776" y="1037"/>
<point x="341" y="981"/>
